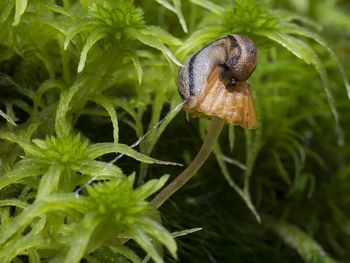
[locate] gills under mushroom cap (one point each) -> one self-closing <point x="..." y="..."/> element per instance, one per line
<point x="233" y="104"/>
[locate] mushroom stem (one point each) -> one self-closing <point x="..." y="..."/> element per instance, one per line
<point x="215" y="128"/>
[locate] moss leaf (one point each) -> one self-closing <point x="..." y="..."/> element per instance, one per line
<point x="21" y="6"/>
<point x="216" y="9"/>
<point x="177" y="5"/>
<point x="126" y="252"/>
<point x="306" y="246"/>
<point x="95" y="36"/>
<point x="155" y="43"/>
<point x="144" y="241"/>
<point x="7" y="118"/>
<point x="99" y="149"/>
<point x="158" y="232"/>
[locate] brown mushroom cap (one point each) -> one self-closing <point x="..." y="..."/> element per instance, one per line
<point x="233" y="104"/>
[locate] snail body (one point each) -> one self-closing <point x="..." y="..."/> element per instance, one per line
<point x="213" y="80"/>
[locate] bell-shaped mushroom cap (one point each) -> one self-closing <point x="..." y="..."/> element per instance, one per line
<point x="233" y="104"/>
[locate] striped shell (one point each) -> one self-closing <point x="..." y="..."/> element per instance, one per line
<point x="212" y="81"/>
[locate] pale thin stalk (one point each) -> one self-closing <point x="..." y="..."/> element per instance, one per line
<point x="215" y="128"/>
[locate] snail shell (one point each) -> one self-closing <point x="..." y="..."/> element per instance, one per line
<point x="212" y="81"/>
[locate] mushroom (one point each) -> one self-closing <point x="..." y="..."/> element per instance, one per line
<point x="212" y="83"/>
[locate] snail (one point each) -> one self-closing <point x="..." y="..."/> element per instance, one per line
<point x="230" y="61"/>
<point x="212" y="83"/>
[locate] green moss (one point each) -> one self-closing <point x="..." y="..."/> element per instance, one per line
<point x="82" y="81"/>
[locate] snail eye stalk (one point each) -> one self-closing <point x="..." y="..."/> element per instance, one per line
<point x="233" y="82"/>
<point x="224" y="66"/>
